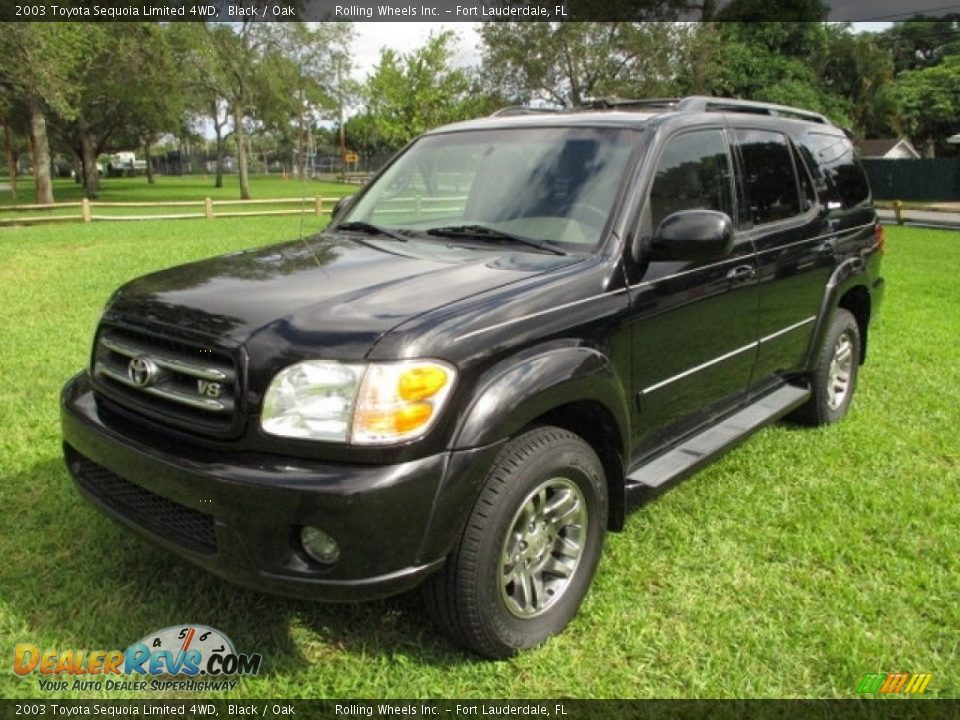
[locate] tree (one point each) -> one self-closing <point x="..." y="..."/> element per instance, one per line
<point x="128" y="89"/>
<point x="38" y="59"/>
<point x="568" y="63"/>
<point x="855" y="68"/>
<point x="279" y="78"/>
<point x="920" y="43"/>
<point x="256" y="80"/>
<point x="156" y="101"/>
<point x="929" y="102"/>
<point x="203" y="94"/>
<point x="309" y="64"/>
<point x="408" y="94"/>
<point x="8" y="112"/>
<point x="777" y="62"/>
<point x="235" y="65"/>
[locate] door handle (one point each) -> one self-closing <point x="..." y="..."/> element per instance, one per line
<point x="827" y="246"/>
<point x="741" y="273"/>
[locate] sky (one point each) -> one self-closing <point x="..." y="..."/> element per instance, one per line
<point x="406" y="36"/>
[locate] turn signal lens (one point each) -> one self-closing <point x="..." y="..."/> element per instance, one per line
<point x="421" y="382"/>
<point x="412" y="416"/>
<point x="400" y="401"/>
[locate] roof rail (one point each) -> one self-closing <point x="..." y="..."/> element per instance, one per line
<point x="714" y="104"/>
<point x="511" y="110"/>
<point x="615" y="103"/>
<point x="694" y="103"/>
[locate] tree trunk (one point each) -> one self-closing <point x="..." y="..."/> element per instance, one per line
<point x="218" y="182"/>
<point x="11" y="160"/>
<point x="218" y="130"/>
<point x="151" y="180"/>
<point x="41" y="154"/>
<point x="77" y="163"/>
<point x="88" y="152"/>
<point x="238" y="136"/>
<point x="301" y="150"/>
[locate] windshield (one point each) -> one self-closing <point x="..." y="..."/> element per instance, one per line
<point x="548" y="185"/>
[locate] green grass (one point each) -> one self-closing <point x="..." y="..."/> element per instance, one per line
<point x="799" y="562"/>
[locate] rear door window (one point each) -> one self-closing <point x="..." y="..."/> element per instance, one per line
<point x="769" y="177"/>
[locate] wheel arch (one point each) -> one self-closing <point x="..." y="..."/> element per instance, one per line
<point x="594" y="423"/>
<point x="569" y="386"/>
<point x="856" y="300"/>
<point x="847" y="289"/>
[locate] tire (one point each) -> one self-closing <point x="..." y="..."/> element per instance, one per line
<point x="834" y="378"/>
<point x="525" y="560"/>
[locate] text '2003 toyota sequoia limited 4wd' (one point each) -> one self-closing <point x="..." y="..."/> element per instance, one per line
<point x="520" y="326"/>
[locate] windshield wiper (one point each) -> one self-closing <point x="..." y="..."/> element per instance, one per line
<point x="370" y="229"/>
<point x="482" y="232"/>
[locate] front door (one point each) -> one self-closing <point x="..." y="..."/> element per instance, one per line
<point x="693" y="324"/>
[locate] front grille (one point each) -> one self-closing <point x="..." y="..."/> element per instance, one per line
<point x="183" y="384"/>
<point x="172" y="521"/>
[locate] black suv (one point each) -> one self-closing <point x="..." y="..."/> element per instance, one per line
<point x="521" y="326"/>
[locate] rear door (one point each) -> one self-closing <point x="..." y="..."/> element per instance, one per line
<point x="795" y="252"/>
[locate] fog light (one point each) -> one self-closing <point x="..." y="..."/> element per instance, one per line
<point x="319" y="545"/>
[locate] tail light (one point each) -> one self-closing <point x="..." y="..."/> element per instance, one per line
<point x="881" y="238"/>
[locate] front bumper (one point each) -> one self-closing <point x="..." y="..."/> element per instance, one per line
<point x="239" y="514"/>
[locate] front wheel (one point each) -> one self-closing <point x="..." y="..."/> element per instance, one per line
<point x="834" y="378"/>
<point x="530" y="547"/>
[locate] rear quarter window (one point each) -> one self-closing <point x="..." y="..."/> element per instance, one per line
<point x="835" y="165"/>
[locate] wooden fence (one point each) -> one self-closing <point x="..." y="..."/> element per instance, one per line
<point x="206" y="210"/>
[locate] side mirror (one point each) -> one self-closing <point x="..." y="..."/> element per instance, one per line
<point x="341" y="206"/>
<point x="696" y="235"/>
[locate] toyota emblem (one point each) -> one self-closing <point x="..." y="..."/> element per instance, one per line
<point x="142" y="371"/>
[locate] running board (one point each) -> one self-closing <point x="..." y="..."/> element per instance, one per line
<point x="697" y="450"/>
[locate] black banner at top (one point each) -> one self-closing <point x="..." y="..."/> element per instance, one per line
<point x="467" y="10"/>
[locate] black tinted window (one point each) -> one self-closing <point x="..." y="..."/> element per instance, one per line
<point x="834" y="160"/>
<point x="768" y="175"/>
<point x="693" y="174"/>
<point x="807" y="194"/>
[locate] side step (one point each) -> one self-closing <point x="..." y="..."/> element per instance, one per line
<point x="697" y="450"/>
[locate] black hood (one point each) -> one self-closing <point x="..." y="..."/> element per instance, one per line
<point x="331" y="290"/>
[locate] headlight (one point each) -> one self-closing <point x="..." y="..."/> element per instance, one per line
<point x="312" y="400"/>
<point x="375" y="404"/>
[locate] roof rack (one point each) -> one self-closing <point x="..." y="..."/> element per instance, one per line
<point x="708" y="104"/>
<point x="617" y="103"/>
<point x="704" y="103"/>
<point x="693" y="103"/>
<point x="512" y="110"/>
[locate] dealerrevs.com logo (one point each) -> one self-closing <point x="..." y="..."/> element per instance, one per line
<point x="183" y="657"/>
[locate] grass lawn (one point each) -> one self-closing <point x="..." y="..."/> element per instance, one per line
<point x="799" y="562"/>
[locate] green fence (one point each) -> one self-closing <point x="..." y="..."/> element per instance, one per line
<point x="925" y="179"/>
